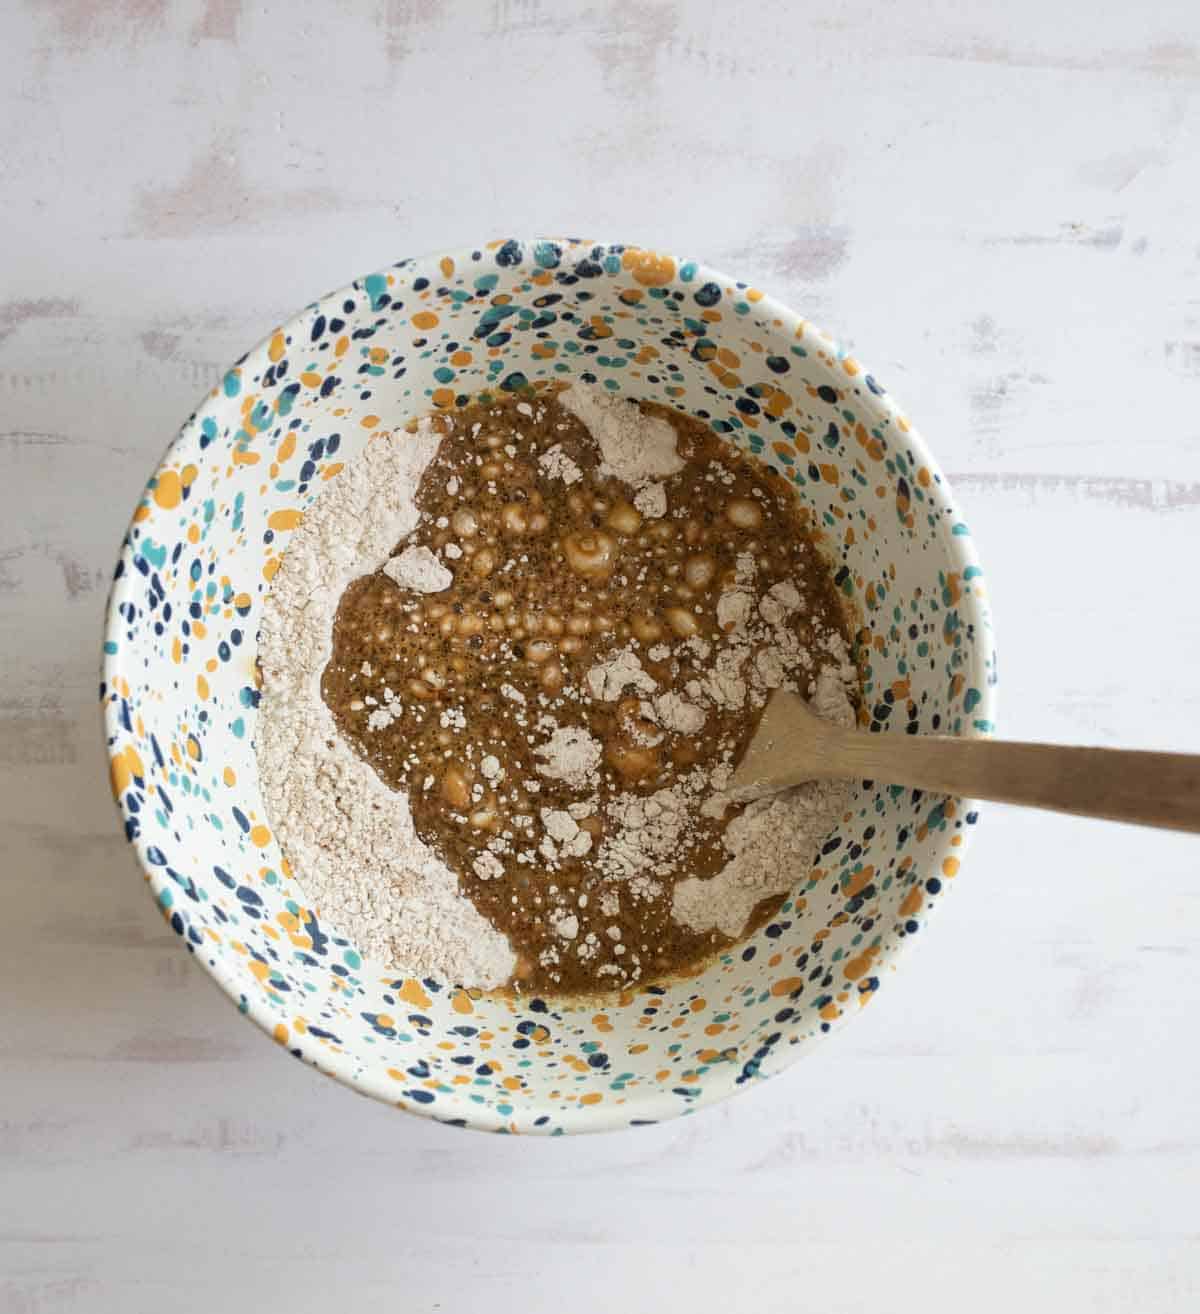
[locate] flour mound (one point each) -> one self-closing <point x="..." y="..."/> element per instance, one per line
<point x="350" y="839"/>
<point x="419" y="571"/>
<point x="774" y="839"/>
<point x="634" y="447"/>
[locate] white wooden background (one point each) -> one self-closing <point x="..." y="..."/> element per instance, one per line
<point x="996" y="205"/>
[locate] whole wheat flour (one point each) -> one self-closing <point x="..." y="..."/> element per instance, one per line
<point x="773" y="838"/>
<point x="349" y="838"/>
<point x="634" y="447"/>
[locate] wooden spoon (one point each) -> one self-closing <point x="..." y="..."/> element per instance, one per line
<point x="793" y="744"/>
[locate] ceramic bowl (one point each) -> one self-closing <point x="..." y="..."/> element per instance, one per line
<point x="180" y="701"/>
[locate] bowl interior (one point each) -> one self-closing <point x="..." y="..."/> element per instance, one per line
<point x="180" y="699"/>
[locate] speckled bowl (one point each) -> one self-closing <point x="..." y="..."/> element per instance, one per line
<point x="180" y="703"/>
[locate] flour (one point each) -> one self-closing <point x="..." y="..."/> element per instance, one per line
<point x="418" y="570"/>
<point x="651" y="501"/>
<point x="636" y="448"/>
<point x="608" y="680"/>
<point x="554" y="463"/>
<point x="678" y="715"/>
<point x="350" y="839"/>
<point x="571" y="755"/>
<point x="773" y="839"/>
<point x="646" y="834"/>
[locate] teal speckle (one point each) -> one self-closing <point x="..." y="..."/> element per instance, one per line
<point x="375" y="285"/>
<point x="155" y="555"/>
<point x="972" y="699"/>
<point x="443" y="374"/>
<point x="239" y="727"/>
<point x="110" y="647"/>
<point x="687" y="271"/>
<point x="961" y="531"/>
<point x="232" y="383"/>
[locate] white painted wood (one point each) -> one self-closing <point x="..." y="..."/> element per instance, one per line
<point x="995" y="204"/>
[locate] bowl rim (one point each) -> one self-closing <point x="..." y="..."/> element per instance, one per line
<point x="655" y="1103"/>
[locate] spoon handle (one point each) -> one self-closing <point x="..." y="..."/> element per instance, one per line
<point x="1147" y="789"/>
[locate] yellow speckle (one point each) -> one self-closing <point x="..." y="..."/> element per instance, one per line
<point x="648" y="267"/>
<point x="332" y="471"/>
<point x="310" y="379"/>
<point x="424" y="319"/>
<point x="950" y="867"/>
<point x="461" y="1003"/>
<point x="260" y="836"/>
<point x="202" y="687"/>
<point x="856" y="967"/>
<point x="280" y="1033"/>
<point x="229" y="776"/>
<point x="369" y="421"/>
<point x="446" y="266"/>
<point x="412" y="993"/>
<point x="288" y="518"/>
<point x="277" y="348"/>
<point x="176" y="650"/>
<point x="168" y="489"/>
<point x="124" y="766"/>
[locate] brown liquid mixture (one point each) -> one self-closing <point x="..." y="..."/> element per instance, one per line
<point x="450" y="694"/>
